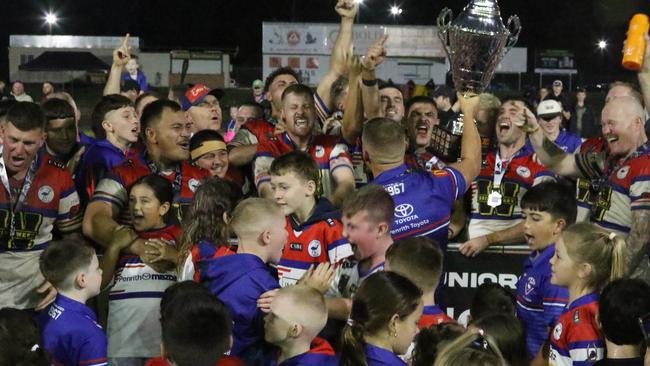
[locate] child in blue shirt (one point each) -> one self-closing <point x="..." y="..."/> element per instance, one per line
<point x="239" y="279"/>
<point x="70" y="331"/>
<point x="548" y="208"/>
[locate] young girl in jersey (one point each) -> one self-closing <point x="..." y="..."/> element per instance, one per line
<point x="205" y="234"/>
<point x="134" y="299"/>
<point x="586" y="259"/>
<point x="384" y="320"/>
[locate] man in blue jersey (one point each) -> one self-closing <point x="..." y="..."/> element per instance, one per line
<point x="423" y="200"/>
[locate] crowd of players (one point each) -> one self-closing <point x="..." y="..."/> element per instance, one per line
<point x="312" y="229"/>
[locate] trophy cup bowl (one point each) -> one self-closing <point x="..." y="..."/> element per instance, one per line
<point x="475" y="43"/>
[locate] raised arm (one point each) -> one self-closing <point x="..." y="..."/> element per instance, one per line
<point x="644" y="77"/>
<point x="470" y="148"/>
<point x="347" y="9"/>
<point x="352" y="123"/>
<point x="121" y="56"/>
<point x="369" y="88"/>
<point x="551" y="155"/>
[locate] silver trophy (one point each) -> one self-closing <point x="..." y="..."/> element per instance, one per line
<point x="475" y="43"/>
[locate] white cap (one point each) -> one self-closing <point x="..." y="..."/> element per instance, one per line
<point x="549" y="108"/>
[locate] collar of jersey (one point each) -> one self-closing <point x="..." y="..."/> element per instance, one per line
<point x="431" y="310"/>
<point x="584" y="300"/>
<point x="72" y="305"/>
<point x="391" y="173"/>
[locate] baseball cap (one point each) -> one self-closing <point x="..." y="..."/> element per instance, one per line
<point x="258" y="84"/>
<point x="195" y="95"/>
<point x="557" y="83"/>
<point x="549" y="108"/>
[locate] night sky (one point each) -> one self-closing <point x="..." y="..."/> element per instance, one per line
<point x="576" y="25"/>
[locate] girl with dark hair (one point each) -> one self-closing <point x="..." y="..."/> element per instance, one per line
<point x="205" y="225"/>
<point x="383" y="322"/>
<point x="20" y="340"/>
<point x="139" y="282"/>
<point x="508" y="335"/>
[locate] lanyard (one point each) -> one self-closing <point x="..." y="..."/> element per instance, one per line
<point x="27" y="183"/>
<point x="500" y="169"/>
<point x="178" y="180"/>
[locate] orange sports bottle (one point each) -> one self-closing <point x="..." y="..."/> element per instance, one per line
<point x="635" y="44"/>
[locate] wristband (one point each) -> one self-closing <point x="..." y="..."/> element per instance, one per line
<point x="372" y="82"/>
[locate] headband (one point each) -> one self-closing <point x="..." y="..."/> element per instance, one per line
<point x="206" y="147"/>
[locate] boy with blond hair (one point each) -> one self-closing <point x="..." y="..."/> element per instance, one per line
<point x="239" y="279"/>
<point x="70" y="331"/>
<point x="298" y="313"/>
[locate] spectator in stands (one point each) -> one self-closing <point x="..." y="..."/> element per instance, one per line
<point x="445" y="97"/>
<point x="134" y="73"/>
<point x="47" y="89"/>
<point x="623" y="303"/>
<point x="583" y="120"/>
<point x="202" y="109"/>
<point x="18" y="92"/>
<point x="549" y="114"/>
<point x="130" y="89"/>
<point x="558" y="94"/>
<point x="258" y="91"/>
<point x="4" y="94"/>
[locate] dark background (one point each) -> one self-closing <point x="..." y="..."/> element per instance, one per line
<point x="576" y="25"/>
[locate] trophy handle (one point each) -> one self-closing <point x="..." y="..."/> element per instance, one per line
<point x="514" y="26"/>
<point x="444" y="21"/>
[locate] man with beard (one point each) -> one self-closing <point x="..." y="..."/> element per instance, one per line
<point x="619" y="172"/>
<point x="202" y="109"/>
<point x="37" y="195"/>
<point x="422" y="116"/>
<point x="392" y="102"/>
<point x="496" y="216"/>
<point x="166" y="135"/>
<point x="331" y="154"/>
<point x="243" y="147"/>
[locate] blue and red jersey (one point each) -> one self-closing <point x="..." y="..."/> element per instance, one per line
<point x="433" y="315"/>
<point x="252" y="132"/>
<point x="201" y="253"/>
<point x="115" y="186"/>
<point x="320" y="353"/>
<point x="539" y="302"/>
<point x="329" y="152"/>
<point x="318" y="240"/>
<point x="576" y="339"/>
<point x="96" y="162"/>
<point x="423" y="200"/>
<point x="522" y="172"/>
<point x="71" y="334"/>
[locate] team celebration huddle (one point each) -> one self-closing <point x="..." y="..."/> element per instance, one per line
<point x="316" y="226"/>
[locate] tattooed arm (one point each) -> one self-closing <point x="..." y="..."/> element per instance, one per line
<point x="636" y="245"/>
<point x="551" y="155"/>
